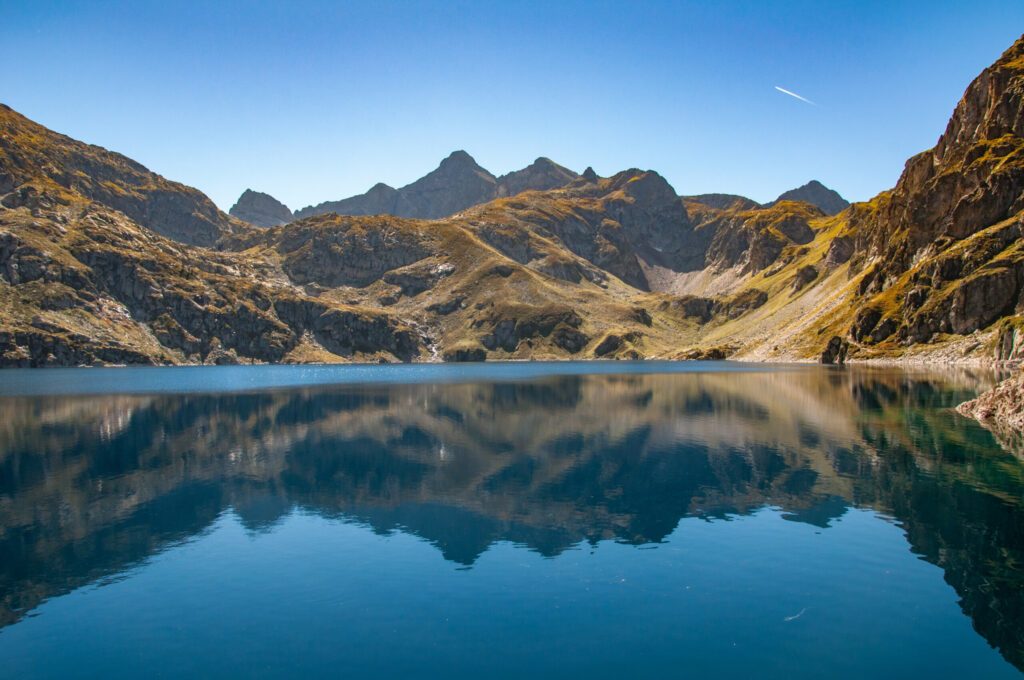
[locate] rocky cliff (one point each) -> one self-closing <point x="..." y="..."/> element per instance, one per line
<point x="941" y="253"/>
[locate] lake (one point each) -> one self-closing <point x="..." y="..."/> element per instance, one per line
<point x="597" y="520"/>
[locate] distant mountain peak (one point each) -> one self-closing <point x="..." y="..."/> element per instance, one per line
<point x="459" y="158"/>
<point x="457" y="183"/>
<point x="541" y="175"/>
<point x="818" y="195"/>
<point x="589" y="174"/>
<point x="724" y="201"/>
<point x="260" y="209"/>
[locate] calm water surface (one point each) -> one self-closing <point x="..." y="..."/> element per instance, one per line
<point x="596" y="520"/>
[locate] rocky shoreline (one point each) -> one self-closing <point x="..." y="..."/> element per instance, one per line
<point x="1001" y="409"/>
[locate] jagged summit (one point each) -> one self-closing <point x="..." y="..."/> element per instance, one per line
<point x="260" y="209"/>
<point x="817" y="194"/>
<point x="459" y="158"/>
<point x="541" y="175"/>
<point x="457" y="183"/>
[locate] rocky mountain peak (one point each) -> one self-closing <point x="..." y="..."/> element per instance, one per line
<point x="590" y="175"/>
<point x="972" y="178"/>
<point x="818" y="195"/>
<point x="261" y="210"/>
<point x="992" y="106"/>
<point x="646" y="186"/>
<point x="541" y="175"/>
<point x="459" y="159"/>
<point x="457" y="183"/>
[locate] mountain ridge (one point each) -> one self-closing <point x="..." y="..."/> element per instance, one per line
<point x="103" y="261"/>
<point x="456" y="184"/>
<point x="263" y="210"/>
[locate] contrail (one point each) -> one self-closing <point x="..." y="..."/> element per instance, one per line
<point x="794" y="94"/>
<point x="796" y="616"/>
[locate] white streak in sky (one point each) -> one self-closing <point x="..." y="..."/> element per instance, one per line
<point x="794" y="94"/>
<point x="796" y="616"/>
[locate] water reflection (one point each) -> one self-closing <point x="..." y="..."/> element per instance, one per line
<point x="92" y="485"/>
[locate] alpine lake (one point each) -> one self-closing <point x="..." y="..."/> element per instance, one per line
<point x="590" y="519"/>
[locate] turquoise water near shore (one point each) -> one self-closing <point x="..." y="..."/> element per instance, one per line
<point x="506" y="520"/>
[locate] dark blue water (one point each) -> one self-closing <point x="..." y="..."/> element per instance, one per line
<point x="682" y="520"/>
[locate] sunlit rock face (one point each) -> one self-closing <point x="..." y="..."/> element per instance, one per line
<point x="90" y="485"/>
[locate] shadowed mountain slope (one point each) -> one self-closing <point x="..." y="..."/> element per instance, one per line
<point x="261" y="210"/>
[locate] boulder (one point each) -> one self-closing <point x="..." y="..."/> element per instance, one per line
<point x="835" y="351"/>
<point x="804" y="276"/>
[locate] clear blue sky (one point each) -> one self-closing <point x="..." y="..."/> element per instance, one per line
<point x="318" y="101"/>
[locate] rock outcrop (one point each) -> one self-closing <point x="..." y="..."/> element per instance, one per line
<point x="1001" y="408"/>
<point x="755" y="239"/>
<point x="834" y="352"/>
<point x="261" y="210"/>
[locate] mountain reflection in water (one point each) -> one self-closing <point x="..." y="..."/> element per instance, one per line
<point x="90" y="486"/>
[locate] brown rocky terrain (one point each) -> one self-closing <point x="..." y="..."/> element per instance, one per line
<point x="103" y="261"/>
<point x="35" y="160"/>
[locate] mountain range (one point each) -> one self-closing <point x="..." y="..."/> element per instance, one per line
<point x="459" y="183"/>
<point x="103" y="261"/>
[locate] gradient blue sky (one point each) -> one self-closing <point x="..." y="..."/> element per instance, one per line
<point x="318" y="101"/>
